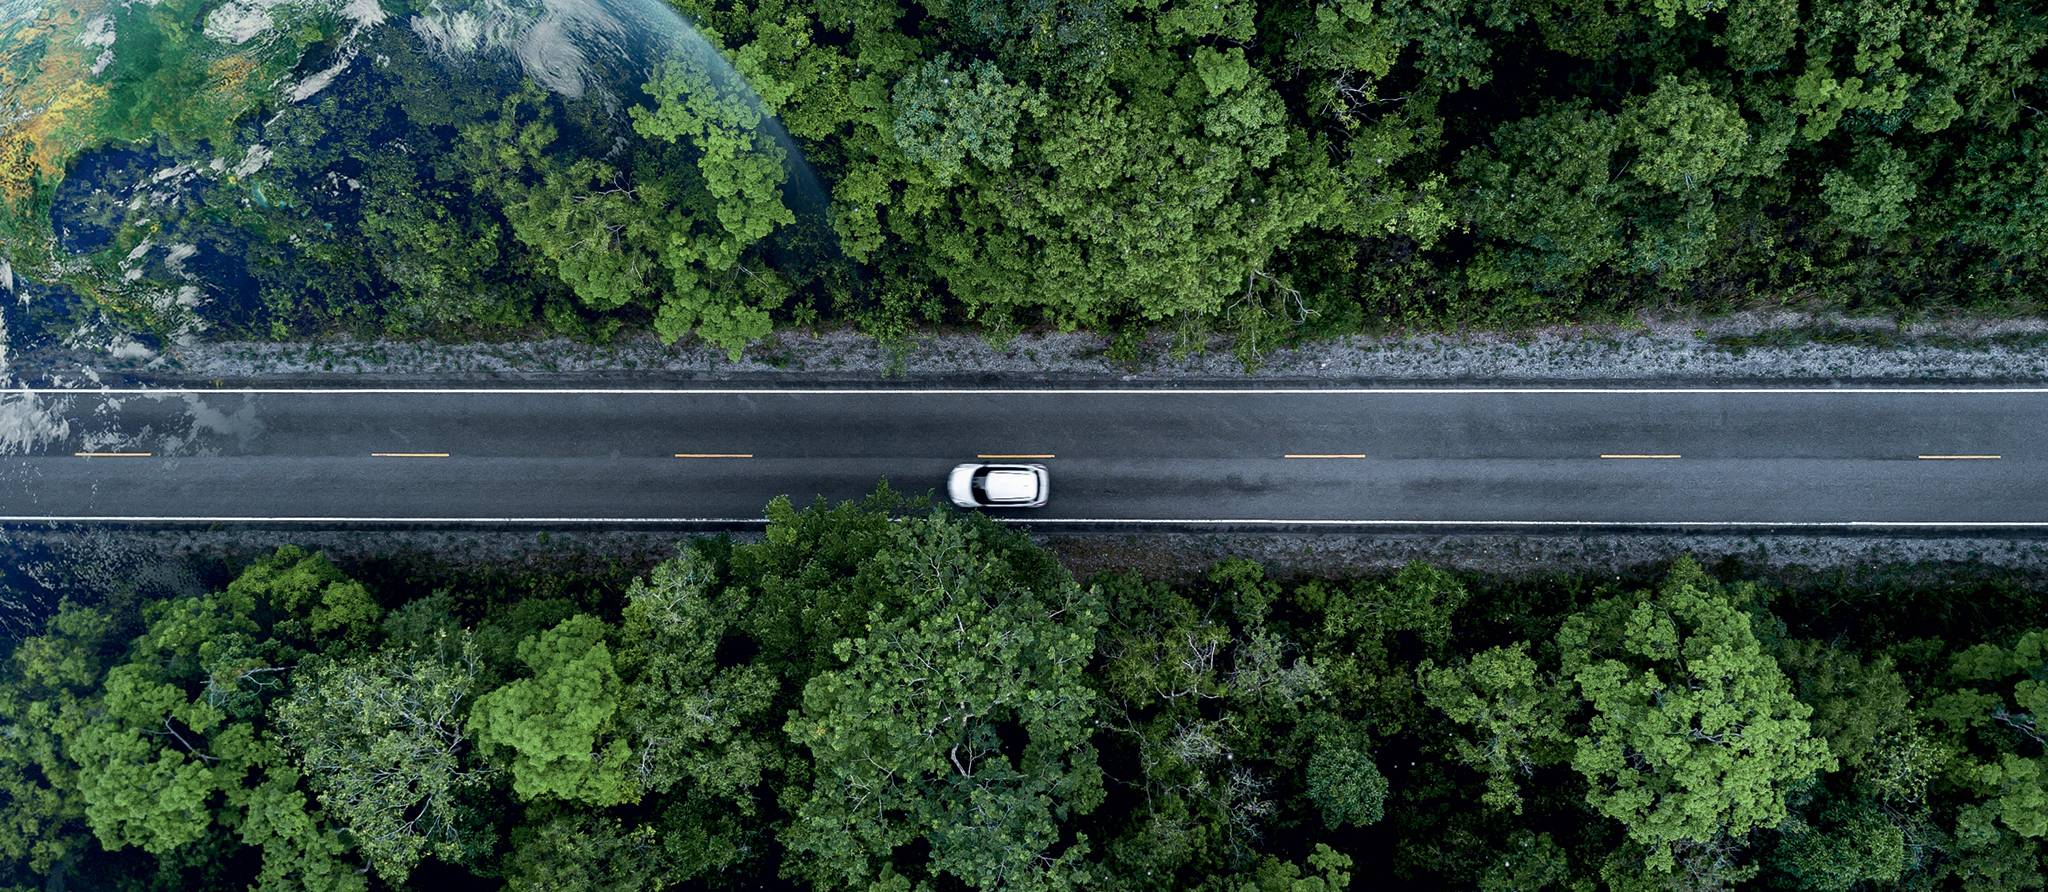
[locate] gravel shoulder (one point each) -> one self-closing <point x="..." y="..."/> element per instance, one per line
<point x="1748" y="347"/>
<point x="1183" y="555"/>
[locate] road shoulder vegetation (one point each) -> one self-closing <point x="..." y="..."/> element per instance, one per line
<point x="1755" y="347"/>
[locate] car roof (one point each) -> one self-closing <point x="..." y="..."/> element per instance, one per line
<point x="1010" y="485"/>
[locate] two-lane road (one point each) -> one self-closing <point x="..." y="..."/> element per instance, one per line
<point x="1340" y="457"/>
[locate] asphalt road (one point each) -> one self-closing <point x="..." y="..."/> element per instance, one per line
<point x="1477" y="457"/>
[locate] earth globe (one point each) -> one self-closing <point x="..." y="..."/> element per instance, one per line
<point x="272" y="168"/>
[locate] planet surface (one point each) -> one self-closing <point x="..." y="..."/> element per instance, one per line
<point x="188" y="168"/>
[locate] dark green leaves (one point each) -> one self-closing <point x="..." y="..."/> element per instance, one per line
<point x="960" y="717"/>
<point x="946" y="115"/>
<point x="876" y="695"/>
<point x="379" y="738"/>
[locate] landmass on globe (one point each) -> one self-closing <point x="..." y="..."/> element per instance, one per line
<point x="274" y="167"/>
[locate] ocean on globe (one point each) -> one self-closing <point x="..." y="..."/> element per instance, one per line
<point x="276" y="168"/>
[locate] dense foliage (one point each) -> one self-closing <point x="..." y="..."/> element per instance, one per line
<point x="931" y="701"/>
<point x="1267" y="168"/>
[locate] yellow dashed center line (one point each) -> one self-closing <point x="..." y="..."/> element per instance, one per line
<point x="1013" y="455"/>
<point x="714" y="455"/>
<point x="1961" y="457"/>
<point x="408" y="455"/>
<point x="1324" y="455"/>
<point x="113" y="454"/>
<point x="1626" y="455"/>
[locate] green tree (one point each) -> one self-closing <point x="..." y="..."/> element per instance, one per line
<point x="1686" y="137"/>
<point x="1857" y="705"/>
<point x="695" y="721"/>
<point x="379" y="737"/>
<point x="1345" y="785"/>
<point x="571" y="848"/>
<point x="1529" y="860"/>
<point x="1548" y="186"/>
<point x="307" y="602"/>
<point x="740" y="167"/>
<point x="669" y="225"/>
<point x="706" y="735"/>
<point x="958" y="716"/>
<point x="1691" y="735"/>
<point x="175" y="750"/>
<point x="560" y="725"/>
<point x="1872" y="196"/>
<point x="43" y="691"/>
<point x="1509" y="718"/>
<point x="806" y="582"/>
<point x="945" y="115"/>
<point x="1218" y="708"/>
<point x="1986" y="715"/>
<point x="1852" y="846"/>
<point x="1328" y="871"/>
<point x="1370" y="631"/>
<point x="442" y="252"/>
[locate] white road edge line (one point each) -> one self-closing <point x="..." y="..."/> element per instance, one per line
<point x="999" y="391"/>
<point x="1886" y="524"/>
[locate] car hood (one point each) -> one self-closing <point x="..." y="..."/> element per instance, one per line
<point x="960" y="485"/>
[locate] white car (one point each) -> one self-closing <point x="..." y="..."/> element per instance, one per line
<point x="997" y="486"/>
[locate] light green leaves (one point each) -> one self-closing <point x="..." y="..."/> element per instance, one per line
<point x="1852" y="845"/>
<point x="1512" y="721"/>
<point x="1692" y="734"/>
<point x="671" y="224"/>
<point x="1993" y="714"/>
<point x="317" y="601"/>
<point x="1872" y="197"/>
<point x="1687" y="136"/>
<point x="146" y="779"/>
<point x="2017" y="789"/>
<point x="740" y="162"/>
<point x="43" y="690"/>
<point x="175" y="748"/>
<point x="695" y="722"/>
<point x="740" y="166"/>
<point x="560" y="724"/>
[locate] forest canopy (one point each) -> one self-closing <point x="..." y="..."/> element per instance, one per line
<point x="880" y="696"/>
<point x="1271" y="169"/>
